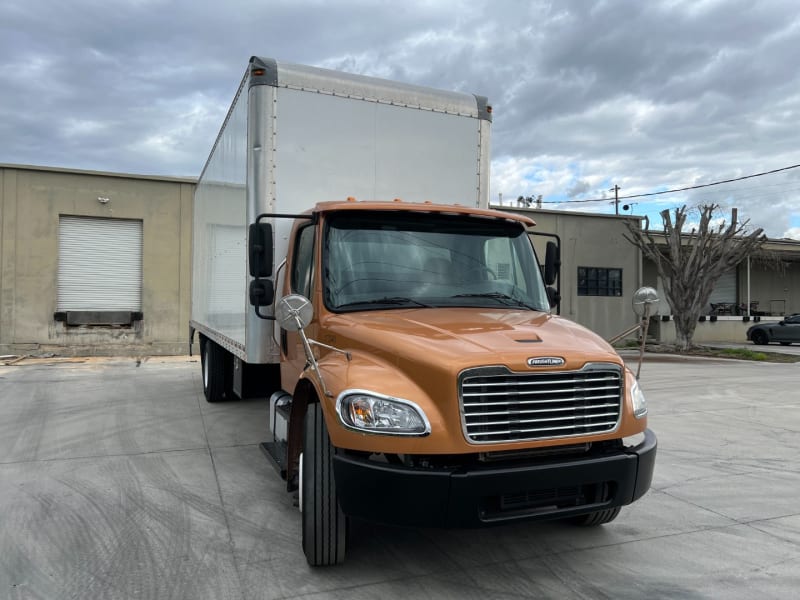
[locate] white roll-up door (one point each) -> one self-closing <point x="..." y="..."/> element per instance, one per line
<point x="99" y="264"/>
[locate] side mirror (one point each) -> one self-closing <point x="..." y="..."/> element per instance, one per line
<point x="552" y="263"/>
<point x="259" y="250"/>
<point x="261" y="292"/>
<point x="553" y="297"/>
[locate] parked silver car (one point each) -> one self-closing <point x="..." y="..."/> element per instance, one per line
<point x="785" y="332"/>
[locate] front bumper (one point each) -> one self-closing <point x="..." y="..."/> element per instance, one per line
<point x="493" y="494"/>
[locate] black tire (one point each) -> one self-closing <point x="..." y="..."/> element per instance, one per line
<point x="600" y="517"/>
<point x="217" y="371"/>
<point x="759" y="337"/>
<point x="324" y="524"/>
<point x="786" y="343"/>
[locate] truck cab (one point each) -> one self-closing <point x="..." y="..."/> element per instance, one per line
<point x="426" y="382"/>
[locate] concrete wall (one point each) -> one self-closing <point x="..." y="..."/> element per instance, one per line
<point x="592" y="240"/>
<point x="724" y="329"/>
<point x="31" y="200"/>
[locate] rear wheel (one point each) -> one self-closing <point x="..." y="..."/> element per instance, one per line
<point x="324" y="523"/>
<point x="217" y="369"/>
<point x="759" y="337"/>
<point x="600" y="517"/>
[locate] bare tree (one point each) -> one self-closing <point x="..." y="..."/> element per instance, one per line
<point x="690" y="264"/>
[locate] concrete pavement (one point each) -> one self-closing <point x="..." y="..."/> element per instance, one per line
<point x="120" y="481"/>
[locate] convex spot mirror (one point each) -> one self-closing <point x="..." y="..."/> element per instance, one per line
<point x="294" y="312"/>
<point x="643" y="297"/>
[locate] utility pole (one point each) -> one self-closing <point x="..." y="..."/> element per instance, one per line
<point x="615" y="189"/>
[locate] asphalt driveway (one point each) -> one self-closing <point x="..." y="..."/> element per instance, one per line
<point x="118" y="480"/>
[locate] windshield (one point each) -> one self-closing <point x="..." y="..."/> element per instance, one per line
<point x="398" y="260"/>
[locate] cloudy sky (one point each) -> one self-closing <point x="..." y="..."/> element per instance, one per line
<point x="647" y="95"/>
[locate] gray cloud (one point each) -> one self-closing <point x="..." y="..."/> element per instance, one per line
<point x="648" y="95"/>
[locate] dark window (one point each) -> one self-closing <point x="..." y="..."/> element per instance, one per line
<point x="598" y="281"/>
<point x="303" y="261"/>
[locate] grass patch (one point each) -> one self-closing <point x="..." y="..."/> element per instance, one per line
<point x="710" y="352"/>
<point x="744" y="354"/>
<point x="741" y="354"/>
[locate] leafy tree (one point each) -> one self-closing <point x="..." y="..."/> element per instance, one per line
<point x="690" y="264"/>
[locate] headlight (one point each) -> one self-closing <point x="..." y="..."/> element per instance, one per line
<point x="375" y="413"/>
<point x="638" y="400"/>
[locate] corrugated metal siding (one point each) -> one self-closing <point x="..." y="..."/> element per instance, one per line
<point x="725" y="288"/>
<point x="228" y="272"/>
<point x="100" y="264"/>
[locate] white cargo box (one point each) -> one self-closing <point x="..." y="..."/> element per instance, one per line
<point x="297" y="135"/>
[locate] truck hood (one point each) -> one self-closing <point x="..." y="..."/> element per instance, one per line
<point x="459" y="338"/>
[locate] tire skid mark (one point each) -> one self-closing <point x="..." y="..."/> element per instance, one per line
<point x="31" y="573"/>
<point x="31" y="424"/>
<point x="127" y="551"/>
<point x="59" y="423"/>
<point x="69" y="534"/>
<point x="149" y="525"/>
<point x="131" y="535"/>
<point x="162" y="529"/>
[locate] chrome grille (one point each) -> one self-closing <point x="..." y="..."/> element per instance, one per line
<point x="498" y="405"/>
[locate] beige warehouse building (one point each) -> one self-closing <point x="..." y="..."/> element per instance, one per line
<point x="600" y="271"/>
<point x="95" y="263"/>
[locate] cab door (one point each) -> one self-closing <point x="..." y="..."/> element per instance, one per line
<point x="301" y="276"/>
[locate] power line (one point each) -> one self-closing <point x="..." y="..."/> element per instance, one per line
<point x="683" y="189"/>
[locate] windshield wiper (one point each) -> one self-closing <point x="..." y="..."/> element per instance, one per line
<point x="499" y="297"/>
<point x="396" y="300"/>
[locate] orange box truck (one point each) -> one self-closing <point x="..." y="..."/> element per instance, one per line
<point x="346" y="264"/>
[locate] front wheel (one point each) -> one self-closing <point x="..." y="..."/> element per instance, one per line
<point x="759" y="337"/>
<point x="323" y="522"/>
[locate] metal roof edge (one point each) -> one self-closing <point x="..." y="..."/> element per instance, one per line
<point x="69" y="171"/>
<point x="531" y="212"/>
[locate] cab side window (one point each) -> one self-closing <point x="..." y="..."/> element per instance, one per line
<point x="302" y="265"/>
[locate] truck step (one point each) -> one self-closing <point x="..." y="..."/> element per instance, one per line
<point x="276" y="453"/>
